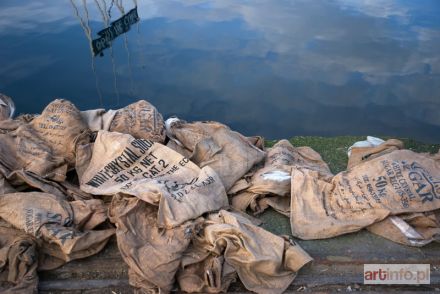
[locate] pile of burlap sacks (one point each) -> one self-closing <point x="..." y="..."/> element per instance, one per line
<point x="177" y="195"/>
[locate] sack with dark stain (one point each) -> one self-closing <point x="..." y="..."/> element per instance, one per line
<point x="154" y="173"/>
<point x="212" y="144"/>
<point x="273" y="179"/>
<point x="398" y="182"/>
<point x="66" y="227"/>
<point x="140" y="119"/>
<point x="229" y="244"/>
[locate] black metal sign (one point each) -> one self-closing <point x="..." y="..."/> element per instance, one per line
<point x="116" y="28"/>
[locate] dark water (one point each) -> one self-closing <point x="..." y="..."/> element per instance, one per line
<point x="276" y="68"/>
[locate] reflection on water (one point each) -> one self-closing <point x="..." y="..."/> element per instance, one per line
<point x="276" y="68"/>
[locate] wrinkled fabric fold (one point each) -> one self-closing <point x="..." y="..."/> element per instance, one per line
<point x="397" y="182"/>
<point x="273" y="179"/>
<point x="154" y="173"/>
<point x="212" y="144"/>
<point x="264" y="262"/>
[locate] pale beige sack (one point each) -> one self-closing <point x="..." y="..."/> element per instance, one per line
<point x="154" y="173"/>
<point x="7" y="107"/>
<point x="414" y="229"/>
<point x="66" y="226"/>
<point x="228" y="153"/>
<point x="139" y="119"/>
<point x="274" y="177"/>
<point x="398" y="182"/>
<point x="264" y="262"/>
<point x="18" y="262"/>
<point x="153" y="254"/>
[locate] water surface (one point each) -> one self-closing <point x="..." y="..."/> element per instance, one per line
<point x="275" y="68"/>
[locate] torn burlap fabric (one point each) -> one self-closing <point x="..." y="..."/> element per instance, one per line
<point x="229" y="243"/>
<point x="140" y="119"/>
<point x="228" y="153"/>
<point x="65" y="227"/>
<point x="154" y="173"/>
<point x="398" y="182"/>
<point x="273" y="179"/>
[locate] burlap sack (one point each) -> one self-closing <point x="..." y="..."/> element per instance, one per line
<point x="265" y="263"/>
<point x="66" y="226"/>
<point x="7" y="107"/>
<point x="28" y="162"/>
<point x="22" y="149"/>
<point x="140" y="119"/>
<point x="212" y="144"/>
<point x="174" y="144"/>
<point x="414" y="229"/>
<point x="398" y="182"/>
<point x="21" y="180"/>
<point x="207" y="273"/>
<point x="155" y="174"/>
<point x="358" y="154"/>
<point x="98" y="119"/>
<point x="5" y="187"/>
<point x="274" y="177"/>
<point x="152" y="254"/>
<point x="18" y="262"/>
<point x="61" y="126"/>
<point x="42" y="150"/>
<point x="369" y="142"/>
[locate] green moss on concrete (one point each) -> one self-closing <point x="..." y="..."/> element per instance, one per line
<point x="334" y="151"/>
